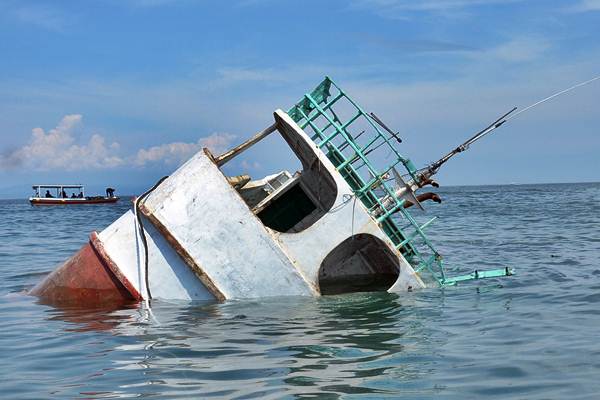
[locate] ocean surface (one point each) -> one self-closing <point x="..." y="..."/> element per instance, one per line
<point x="535" y="335"/>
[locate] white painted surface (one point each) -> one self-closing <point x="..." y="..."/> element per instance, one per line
<point x="211" y="221"/>
<point x="169" y="276"/>
<point x="207" y="216"/>
<point x="308" y="248"/>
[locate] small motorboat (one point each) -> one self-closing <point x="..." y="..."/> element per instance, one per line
<point x="68" y="194"/>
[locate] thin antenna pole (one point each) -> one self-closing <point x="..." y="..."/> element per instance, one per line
<point x="434" y="167"/>
<point x="537" y="103"/>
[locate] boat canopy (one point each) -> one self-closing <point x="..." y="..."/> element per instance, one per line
<point x="60" y="190"/>
<point x="57" y="186"/>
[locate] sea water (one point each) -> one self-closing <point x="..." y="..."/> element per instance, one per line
<point x="535" y="335"/>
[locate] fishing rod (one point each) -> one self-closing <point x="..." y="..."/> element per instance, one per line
<point x="433" y="168"/>
<point x="426" y="173"/>
<point x="423" y="176"/>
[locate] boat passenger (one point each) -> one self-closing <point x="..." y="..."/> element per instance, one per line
<point x="63" y="194"/>
<point x="80" y="195"/>
<point x="48" y="195"/>
<point x="73" y="196"/>
<point x="110" y="192"/>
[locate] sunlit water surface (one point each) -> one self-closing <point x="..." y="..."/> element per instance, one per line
<point x="532" y="336"/>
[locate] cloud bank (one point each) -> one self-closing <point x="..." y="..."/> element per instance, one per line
<point x="60" y="148"/>
<point x="177" y="152"/>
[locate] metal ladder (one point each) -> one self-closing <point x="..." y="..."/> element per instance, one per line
<point x="348" y="147"/>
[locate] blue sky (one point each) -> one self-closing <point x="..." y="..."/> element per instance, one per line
<point x="120" y="92"/>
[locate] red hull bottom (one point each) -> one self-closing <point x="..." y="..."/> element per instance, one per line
<point x="83" y="280"/>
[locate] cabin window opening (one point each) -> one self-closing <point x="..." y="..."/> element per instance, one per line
<point x="280" y="178"/>
<point x="288" y="210"/>
<point x="361" y="263"/>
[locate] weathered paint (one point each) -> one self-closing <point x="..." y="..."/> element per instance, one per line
<point x="205" y="243"/>
<point x="112" y="266"/>
<point x="207" y="216"/>
<point x="183" y="254"/>
<point x="169" y="277"/>
<point x="82" y="279"/>
<point x="346" y="218"/>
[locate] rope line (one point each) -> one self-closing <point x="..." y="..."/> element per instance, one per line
<point x="142" y="232"/>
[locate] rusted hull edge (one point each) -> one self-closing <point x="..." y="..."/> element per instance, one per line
<point x="98" y="247"/>
<point x="182" y="252"/>
<point x="84" y="279"/>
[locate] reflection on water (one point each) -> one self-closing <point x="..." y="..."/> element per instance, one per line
<point x="291" y="346"/>
<point x="533" y="336"/>
<point x="83" y="319"/>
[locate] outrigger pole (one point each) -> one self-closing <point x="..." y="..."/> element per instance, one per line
<point x="432" y="169"/>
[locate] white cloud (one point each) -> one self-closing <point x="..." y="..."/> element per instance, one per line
<point x="518" y="50"/>
<point x="217" y="142"/>
<point x="587" y="5"/>
<point x="58" y="149"/>
<point x="400" y="8"/>
<point x="233" y="74"/>
<point x="251" y="165"/>
<point x="178" y="152"/>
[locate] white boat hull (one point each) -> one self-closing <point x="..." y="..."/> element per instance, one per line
<point x="205" y="243"/>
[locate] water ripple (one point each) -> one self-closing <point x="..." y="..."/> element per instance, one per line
<point x="533" y="336"/>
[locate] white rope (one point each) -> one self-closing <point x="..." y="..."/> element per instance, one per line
<point x="353" y="209"/>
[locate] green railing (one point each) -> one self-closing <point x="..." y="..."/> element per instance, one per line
<point x="366" y="157"/>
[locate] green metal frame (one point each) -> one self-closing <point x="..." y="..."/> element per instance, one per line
<point x="315" y="114"/>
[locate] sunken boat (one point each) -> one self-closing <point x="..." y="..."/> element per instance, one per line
<point x="342" y="223"/>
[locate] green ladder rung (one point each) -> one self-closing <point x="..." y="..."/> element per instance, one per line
<point x="399" y="204"/>
<point x="414" y="235"/>
<point x="377" y="194"/>
<point x="414" y="223"/>
<point x="312" y="116"/>
<point x="440" y="274"/>
<point x="343" y="128"/>
<point x="425" y="264"/>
